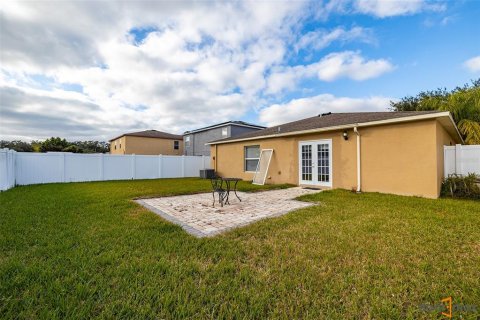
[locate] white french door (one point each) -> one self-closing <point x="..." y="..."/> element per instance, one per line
<point x="315" y="162"/>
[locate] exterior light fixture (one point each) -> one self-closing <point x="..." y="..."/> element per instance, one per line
<point x="345" y="135"/>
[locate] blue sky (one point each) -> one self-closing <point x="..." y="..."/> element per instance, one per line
<point x="428" y="50"/>
<point x="92" y="70"/>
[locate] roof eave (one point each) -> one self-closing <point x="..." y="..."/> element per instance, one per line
<point x="348" y="126"/>
<point x="133" y="135"/>
<point x="116" y="138"/>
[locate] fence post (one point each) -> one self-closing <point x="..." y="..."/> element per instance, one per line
<point x="3" y="183"/>
<point x="10" y="168"/>
<point x="183" y="166"/>
<point x="16" y="168"/>
<point x="458" y="159"/>
<point x="132" y="162"/>
<point x="445" y="162"/>
<point x="160" y="166"/>
<point x="102" y="167"/>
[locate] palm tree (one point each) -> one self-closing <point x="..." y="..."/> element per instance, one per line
<point x="462" y="102"/>
<point x="464" y="105"/>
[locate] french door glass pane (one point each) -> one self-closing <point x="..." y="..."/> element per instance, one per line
<point x="307" y="163"/>
<point x="323" y="162"/>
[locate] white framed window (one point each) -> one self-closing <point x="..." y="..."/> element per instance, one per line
<point x="252" y="155"/>
<point x="187" y="141"/>
<point x="224" y="132"/>
<point x="176" y="145"/>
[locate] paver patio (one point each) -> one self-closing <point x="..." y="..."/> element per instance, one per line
<point x="198" y="217"/>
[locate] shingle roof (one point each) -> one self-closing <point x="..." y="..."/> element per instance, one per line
<point x="326" y="121"/>
<point x="237" y="123"/>
<point x="151" y="134"/>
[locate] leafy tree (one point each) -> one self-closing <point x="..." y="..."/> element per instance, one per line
<point x="36" y="145"/>
<point x="57" y="144"/>
<point x="73" y="148"/>
<point x="462" y="102"/>
<point x="16" y="145"/>
<point x="92" y="146"/>
<point x="54" y="144"/>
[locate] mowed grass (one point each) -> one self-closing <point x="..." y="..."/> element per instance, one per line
<point x="86" y="250"/>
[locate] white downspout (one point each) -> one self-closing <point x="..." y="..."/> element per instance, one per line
<point x="359" y="162"/>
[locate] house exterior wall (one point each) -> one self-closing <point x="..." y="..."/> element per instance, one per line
<point x="400" y="159"/>
<point x="396" y="158"/>
<point x="147" y="146"/>
<point x="198" y="140"/>
<point x="238" y="130"/>
<point x="117" y="146"/>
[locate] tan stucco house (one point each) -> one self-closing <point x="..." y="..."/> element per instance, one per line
<point x="389" y="152"/>
<point x="149" y="142"/>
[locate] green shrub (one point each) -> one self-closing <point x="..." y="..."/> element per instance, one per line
<point x="457" y="186"/>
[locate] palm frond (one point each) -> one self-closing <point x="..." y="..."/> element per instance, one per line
<point x="470" y="129"/>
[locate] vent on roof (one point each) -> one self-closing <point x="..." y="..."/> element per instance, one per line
<point x="325" y="114"/>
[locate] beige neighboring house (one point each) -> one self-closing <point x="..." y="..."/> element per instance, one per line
<point x="390" y="152"/>
<point x="149" y="142"/>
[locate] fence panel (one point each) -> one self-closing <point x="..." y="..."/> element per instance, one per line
<point x="470" y="159"/>
<point x="118" y="167"/>
<point x="462" y="159"/>
<point x="193" y="166"/>
<point x="146" y="167"/>
<point x="7" y="169"/>
<point x="32" y="168"/>
<point x="83" y="167"/>
<point x="172" y="167"/>
<point x="25" y="168"/>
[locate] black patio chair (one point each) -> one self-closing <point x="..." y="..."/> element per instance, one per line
<point x="217" y="187"/>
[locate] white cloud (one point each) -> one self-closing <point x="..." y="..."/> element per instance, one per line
<point x="389" y="8"/>
<point x="347" y="64"/>
<point x="308" y="107"/>
<point x="352" y="65"/>
<point x="385" y="8"/>
<point x="473" y="64"/>
<point x="200" y="61"/>
<point x="319" y="39"/>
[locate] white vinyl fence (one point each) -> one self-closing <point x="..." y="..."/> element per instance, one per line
<point x="22" y="168"/>
<point x="462" y="159"/>
<point x="7" y="169"/>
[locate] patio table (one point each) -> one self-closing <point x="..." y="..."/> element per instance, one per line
<point x="228" y="184"/>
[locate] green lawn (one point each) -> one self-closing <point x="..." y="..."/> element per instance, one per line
<point x="85" y="250"/>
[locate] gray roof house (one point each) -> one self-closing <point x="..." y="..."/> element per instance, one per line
<point x="195" y="140"/>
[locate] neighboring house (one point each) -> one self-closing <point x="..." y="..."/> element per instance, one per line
<point x="147" y="142"/>
<point x="196" y="140"/>
<point x="390" y="152"/>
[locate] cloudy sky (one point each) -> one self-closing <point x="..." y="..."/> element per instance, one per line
<point x="92" y="70"/>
